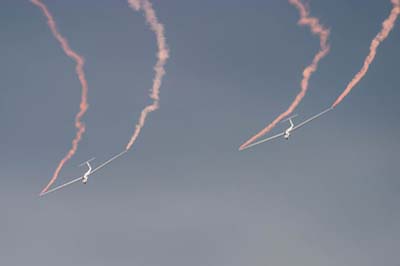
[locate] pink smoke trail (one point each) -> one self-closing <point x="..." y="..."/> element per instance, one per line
<point x="323" y="33"/>
<point x="163" y="55"/>
<point x="81" y="75"/>
<point x="387" y="26"/>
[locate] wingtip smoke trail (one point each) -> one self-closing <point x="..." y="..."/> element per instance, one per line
<point x="323" y="33"/>
<point x="387" y="26"/>
<point x="81" y="75"/>
<point x="163" y="54"/>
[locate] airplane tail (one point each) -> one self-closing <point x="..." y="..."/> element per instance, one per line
<point x="87" y="161"/>
<point x="290" y="117"/>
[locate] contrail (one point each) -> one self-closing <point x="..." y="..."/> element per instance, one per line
<point x="81" y="75"/>
<point x="387" y="26"/>
<point x="163" y="55"/>
<point x="323" y="33"/>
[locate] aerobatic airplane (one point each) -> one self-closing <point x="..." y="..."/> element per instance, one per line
<point x="286" y="134"/>
<point x="84" y="178"/>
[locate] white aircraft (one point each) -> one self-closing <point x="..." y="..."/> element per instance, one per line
<point x="86" y="175"/>
<point x="286" y="134"/>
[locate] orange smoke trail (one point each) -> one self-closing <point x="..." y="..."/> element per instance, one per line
<point x="387" y="26"/>
<point x="323" y="33"/>
<point x="163" y="55"/>
<point x="81" y="75"/>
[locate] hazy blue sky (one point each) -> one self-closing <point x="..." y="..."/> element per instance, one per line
<point x="184" y="195"/>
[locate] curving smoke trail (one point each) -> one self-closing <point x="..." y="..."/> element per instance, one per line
<point x="387" y="26"/>
<point x="323" y="34"/>
<point x="163" y="55"/>
<point x="81" y="75"/>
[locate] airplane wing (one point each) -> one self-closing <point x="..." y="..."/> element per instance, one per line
<point x="63" y="185"/>
<point x="311" y="119"/>
<point x="108" y="161"/>
<point x="265" y="140"/>
<point x="81" y="177"/>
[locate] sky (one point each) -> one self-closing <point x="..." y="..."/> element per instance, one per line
<point x="184" y="195"/>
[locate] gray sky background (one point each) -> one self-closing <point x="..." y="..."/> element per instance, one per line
<point x="184" y="195"/>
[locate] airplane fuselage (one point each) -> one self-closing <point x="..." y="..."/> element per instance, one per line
<point x="86" y="175"/>
<point x="289" y="130"/>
